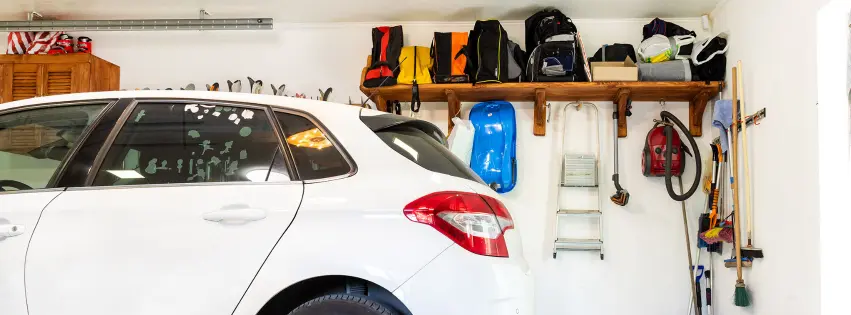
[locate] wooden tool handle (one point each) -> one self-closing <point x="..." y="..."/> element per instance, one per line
<point x="748" y="209"/>
<point x="734" y="185"/>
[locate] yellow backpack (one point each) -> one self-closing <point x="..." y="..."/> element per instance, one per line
<point x="415" y="64"/>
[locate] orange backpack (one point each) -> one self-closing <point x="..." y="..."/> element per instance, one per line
<point x="449" y="60"/>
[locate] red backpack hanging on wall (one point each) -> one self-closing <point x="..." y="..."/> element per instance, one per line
<point x="386" y="47"/>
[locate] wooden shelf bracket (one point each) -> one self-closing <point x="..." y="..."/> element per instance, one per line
<point x="623" y="103"/>
<point x="696" y="107"/>
<point x="540" y="128"/>
<point x="453" y="106"/>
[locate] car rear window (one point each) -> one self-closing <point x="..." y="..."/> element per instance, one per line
<point x="422" y="143"/>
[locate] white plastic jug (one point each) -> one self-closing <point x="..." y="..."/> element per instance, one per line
<point x="461" y="139"/>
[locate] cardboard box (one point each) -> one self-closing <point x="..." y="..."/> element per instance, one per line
<point x="614" y="70"/>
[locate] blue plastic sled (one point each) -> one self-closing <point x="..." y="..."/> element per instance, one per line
<point x="494" y="146"/>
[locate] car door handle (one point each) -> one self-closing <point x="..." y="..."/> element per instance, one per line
<point x="9" y="230"/>
<point x="235" y="216"/>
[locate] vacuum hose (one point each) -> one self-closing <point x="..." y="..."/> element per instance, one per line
<point x="669" y="134"/>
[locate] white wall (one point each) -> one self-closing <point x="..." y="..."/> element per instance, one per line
<point x="783" y="151"/>
<point x="834" y="144"/>
<point x="645" y="271"/>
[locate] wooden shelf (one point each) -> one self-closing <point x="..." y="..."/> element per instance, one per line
<point x="621" y="93"/>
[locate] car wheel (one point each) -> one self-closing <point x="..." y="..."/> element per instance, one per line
<point x="342" y="304"/>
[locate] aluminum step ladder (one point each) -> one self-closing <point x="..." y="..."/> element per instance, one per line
<point x="579" y="170"/>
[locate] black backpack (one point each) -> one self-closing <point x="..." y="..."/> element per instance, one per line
<point x="386" y="47"/>
<point x="545" y="24"/>
<point x="487" y="56"/>
<point x="554" y="54"/>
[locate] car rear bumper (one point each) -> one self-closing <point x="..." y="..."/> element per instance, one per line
<point x="459" y="282"/>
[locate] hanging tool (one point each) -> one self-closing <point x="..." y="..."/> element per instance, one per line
<point x="717" y="181"/>
<point x="256" y="86"/>
<point x="721" y="229"/>
<point x="688" y="244"/>
<point x="325" y="94"/>
<point x="699" y="301"/>
<point x="279" y="91"/>
<point x="664" y="154"/>
<point x="749" y="250"/>
<point x="709" y="218"/>
<point x="235" y="86"/>
<point x="741" y="297"/>
<point x="708" y="275"/>
<point x="621" y="196"/>
<point x="580" y="170"/>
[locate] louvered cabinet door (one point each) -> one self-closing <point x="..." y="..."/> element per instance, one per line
<point x="5" y="84"/>
<point x="65" y="78"/>
<point x="25" y="81"/>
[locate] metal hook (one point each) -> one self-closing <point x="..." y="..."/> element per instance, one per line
<point x="32" y="16"/>
<point x="203" y="14"/>
<point x="662" y="103"/>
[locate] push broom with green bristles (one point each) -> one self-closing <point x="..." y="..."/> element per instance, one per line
<point x="741" y="295"/>
<point x="749" y="250"/>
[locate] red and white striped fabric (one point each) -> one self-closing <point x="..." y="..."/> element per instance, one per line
<point x="31" y="43"/>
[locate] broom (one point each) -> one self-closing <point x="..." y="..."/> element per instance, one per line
<point x="749" y="250"/>
<point x="741" y="295"/>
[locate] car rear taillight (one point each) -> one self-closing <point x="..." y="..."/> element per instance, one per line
<point x="476" y="222"/>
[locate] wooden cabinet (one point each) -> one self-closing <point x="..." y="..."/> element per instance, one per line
<point x="27" y="76"/>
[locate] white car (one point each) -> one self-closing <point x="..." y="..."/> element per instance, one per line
<point x="214" y="203"/>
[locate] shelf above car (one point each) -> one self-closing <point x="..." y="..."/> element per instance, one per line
<point x="621" y="93"/>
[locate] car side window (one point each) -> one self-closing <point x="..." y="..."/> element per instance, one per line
<point x="315" y="156"/>
<point x="33" y="143"/>
<point x="173" y="143"/>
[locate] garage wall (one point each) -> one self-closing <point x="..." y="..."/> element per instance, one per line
<point x="783" y="151"/>
<point x="645" y="267"/>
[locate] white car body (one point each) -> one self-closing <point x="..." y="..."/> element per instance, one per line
<point x="151" y="249"/>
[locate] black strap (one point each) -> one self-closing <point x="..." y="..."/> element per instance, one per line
<point x="462" y="51"/>
<point x="415" y="97"/>
<point x="379" y="64"/>
<point x="394" y="107"/>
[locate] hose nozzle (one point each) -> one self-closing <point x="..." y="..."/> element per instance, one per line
<point x="620" y="198"/>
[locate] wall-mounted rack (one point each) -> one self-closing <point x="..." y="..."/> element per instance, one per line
<point x="621" y="93"/>
<point x="34" y="23"/>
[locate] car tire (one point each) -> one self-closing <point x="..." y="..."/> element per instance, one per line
<point x="342" y="304"/>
